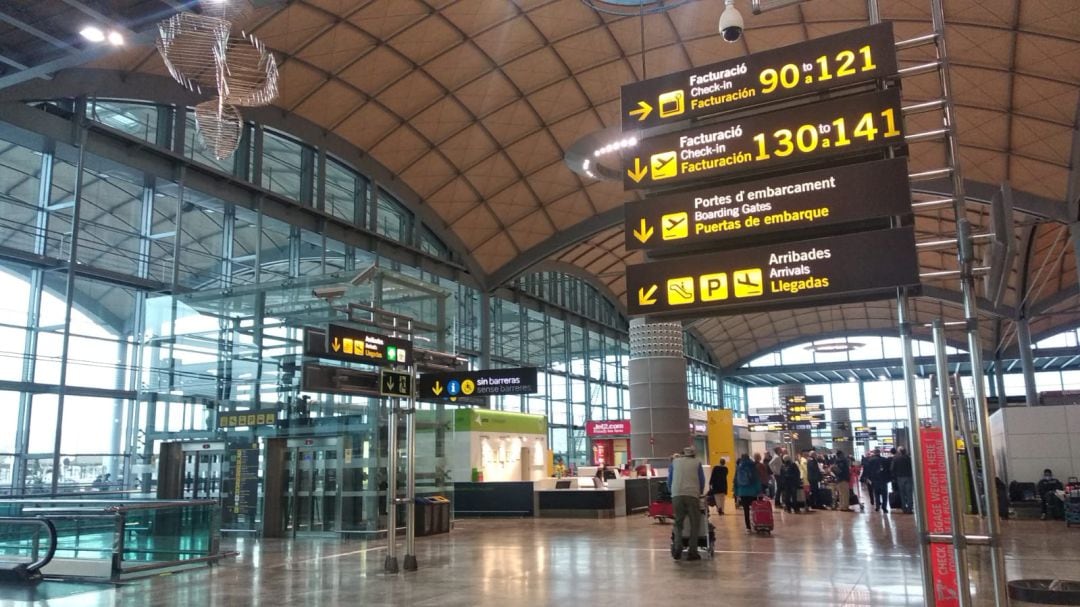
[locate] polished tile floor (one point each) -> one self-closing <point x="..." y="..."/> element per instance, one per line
<point x="821" y="559"/>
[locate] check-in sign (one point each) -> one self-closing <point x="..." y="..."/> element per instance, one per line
<point x="853" y="267"/>
<point x="751" y="210"/>
<point x="848" y="58"/>
<point x="807" y="134"/>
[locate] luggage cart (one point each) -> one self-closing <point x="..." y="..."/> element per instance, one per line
<point x="706" y="535"/>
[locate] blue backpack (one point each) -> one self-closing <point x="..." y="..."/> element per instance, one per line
<point x="744" y="475"/>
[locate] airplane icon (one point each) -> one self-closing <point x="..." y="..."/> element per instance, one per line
<point x="748" y="283"/>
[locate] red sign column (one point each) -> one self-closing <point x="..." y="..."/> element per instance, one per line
<point x="938" y="520"/>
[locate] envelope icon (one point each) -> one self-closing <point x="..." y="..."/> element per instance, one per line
<point x="664" y="165"/>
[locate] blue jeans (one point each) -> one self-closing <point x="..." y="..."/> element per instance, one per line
<point x="906" y="486"/>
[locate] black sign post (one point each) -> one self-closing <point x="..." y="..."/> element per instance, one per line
<point x="830" y="270"/>
<point x="355" y="345"/>
<point x="845" y="126"/>
<point x="738" y="214"/>
<point x="848" y="58"/>
<point x="490" y="382"/>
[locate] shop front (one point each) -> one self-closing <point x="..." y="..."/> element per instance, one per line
<point x="609" y="441"/>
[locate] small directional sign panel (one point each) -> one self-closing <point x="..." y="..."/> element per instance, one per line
<point x="354" y="345"/>
<point x="434" y="386"/>
<point x="246" y="418"/>
<point x="840" y="60"/>
<point x="853" y="267"/>
<point x="740" y="212"/>
<point x="395" y="383"/>
<point x="805" y="134"/>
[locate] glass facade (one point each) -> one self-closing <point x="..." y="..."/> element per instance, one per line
<point x="187" y="303"/>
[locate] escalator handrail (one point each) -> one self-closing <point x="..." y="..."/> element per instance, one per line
<point x="50" y="531"/>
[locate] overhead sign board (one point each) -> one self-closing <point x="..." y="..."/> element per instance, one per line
<point x="395" y="383"/>
<point x="852" y="267"/>
<point x="355" y="345"/>
<point x="843" y="126"/>
<point x="477" y="383"/>
<point x="618" y="427"/>
<point x="740" y="212"/>
<point x="843" y="59"/>
<point x="764" y="419"/>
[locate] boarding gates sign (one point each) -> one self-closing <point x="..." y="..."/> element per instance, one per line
<point x="938" y="521"/>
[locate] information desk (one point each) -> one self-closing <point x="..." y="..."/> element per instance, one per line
<point x="584" y="502"/>
<point x="494" y="499"/>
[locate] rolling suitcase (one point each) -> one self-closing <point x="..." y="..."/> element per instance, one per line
<point x="761" y="516"/>
<point x="894" y="500"/>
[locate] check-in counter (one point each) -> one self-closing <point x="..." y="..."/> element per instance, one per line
<point x="579" y="498"/>
<point x="494" y="499"/>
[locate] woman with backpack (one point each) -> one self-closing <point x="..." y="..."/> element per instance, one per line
<point x="747" y="486"/>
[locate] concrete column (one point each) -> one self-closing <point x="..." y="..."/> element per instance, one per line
<point x="843" y="434"/>
<point x="659" y="410"/>
<point x="1027" y="361"/>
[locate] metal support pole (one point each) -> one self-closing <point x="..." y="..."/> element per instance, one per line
<point x="410" y="563"/>
<point x="986" y="448"/>
<point x="390" y="565"/>
<point x="1027" y="361"/>
<point x="952" y="472"/>
<point x="1001" y="597"/>
<point x="915" y="440"/>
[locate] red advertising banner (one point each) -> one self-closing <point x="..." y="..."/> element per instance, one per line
<point x="938" y="519"/>
<point x="619" y="427"/>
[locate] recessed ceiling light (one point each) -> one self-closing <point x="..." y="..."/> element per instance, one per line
<point x="116" y="38"/>
<point x="92" y="33"/>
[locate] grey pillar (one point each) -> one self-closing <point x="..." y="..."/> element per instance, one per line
<point x="1027" y="361"/>
<point x="843" y="435"/>
<point x="659" y="411"/>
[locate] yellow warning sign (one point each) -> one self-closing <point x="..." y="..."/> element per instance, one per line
<point x="680" y="290"/>
<point x="347" y="345"/>
<point x="664" y="165"/>
<point x="672" y="103"/>
<point x="748" y="283"/>
<point x="675" y="226"/>
<point x="714" y="287"/>
<point x="468" y="386"/>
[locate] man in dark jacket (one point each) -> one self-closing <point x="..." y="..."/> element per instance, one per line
<point x="1046" y="490"/>
<point x="904" y="479"/>
<point x="813" y="478"/>
<point x="718" y="484"/>
<point x="876" y="470"/>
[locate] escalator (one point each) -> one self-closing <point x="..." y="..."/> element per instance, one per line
<point x="20" y="571"/>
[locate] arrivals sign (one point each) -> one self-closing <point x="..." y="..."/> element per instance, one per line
<point x="843" y="126"/>
<point x="477" y="383"/>
<point x="734" y="213"/>
<point x="826" y="270"/>
<point x="840" y="60"/>
<point x="354" y="345"/>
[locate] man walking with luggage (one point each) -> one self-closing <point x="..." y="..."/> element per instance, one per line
<point x="842" y="472"/>
<point x="686" y="478"/>
<point x="904" y="479"/>
<point x="775" y="464"/>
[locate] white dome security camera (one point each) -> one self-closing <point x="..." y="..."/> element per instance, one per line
<point x="731" y="22"/>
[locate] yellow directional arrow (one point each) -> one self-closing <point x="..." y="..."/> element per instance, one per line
<point x="645" y="298"/>
<point x="437" y="389"/>
<point x="336" y="345"/>
<point x="644" y="233"/>
<point x="638" y="172"/>
<point x="643" y="111"/>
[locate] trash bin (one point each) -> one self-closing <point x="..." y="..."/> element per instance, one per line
<point x="424" y="517"/>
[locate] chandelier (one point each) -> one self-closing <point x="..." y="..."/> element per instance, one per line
<point x="203" y="54"/>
